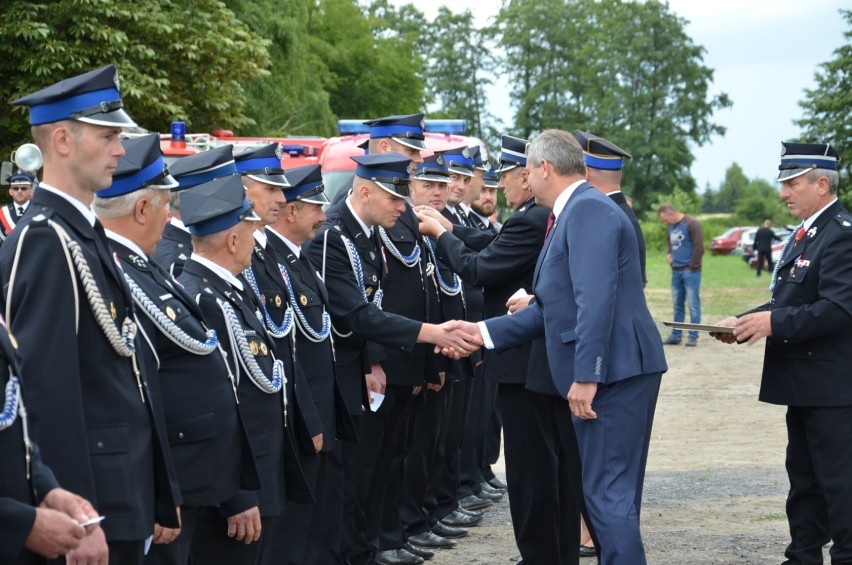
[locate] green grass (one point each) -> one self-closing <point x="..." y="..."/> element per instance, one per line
<point x="772" y="517"/>
<point x="728" y="286"/>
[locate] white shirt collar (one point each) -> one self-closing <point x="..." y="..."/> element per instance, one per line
<point x="485" y="220"/>
<point x="367" y="229"/>
<point x="25" y="205"/>
<point x="467" y="210"/>
<point x="86" y="212"/>
<point x="297" y="251"/>
<point x="178" y="224"/>
<point x="223" y="273"/>
<point x="810" y="221"/>
<point x="125" y="242"/>
<point x="450" y="207"/>
<point x="260" y="237"/>
<point x="562" y="199"/>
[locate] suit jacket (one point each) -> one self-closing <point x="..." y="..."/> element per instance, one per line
<point x="763" y="239"/>
<point x="808" y="355"/>
<point x="86" y="409"/>
<point x="503" y="266"/>
<point x="262" y="413"/>
<point x="621" y="200"/>
<point x="18" y="495"/>
<point x="315" y="358"/>
<point x="207" y="438"/>
<point x="590" y="306"/>
<point x="350" y="312"/>
<point x="173" y="250"/>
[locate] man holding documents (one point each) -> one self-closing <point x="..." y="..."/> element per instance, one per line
<point x="808" y="328"/>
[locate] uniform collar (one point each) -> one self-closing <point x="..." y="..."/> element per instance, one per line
<point x="125" y="242"/>
<point x="223" y="273"/>
<point x="367" y="229"/>
<point x="260" y="238"/>
<point x="178" y="224"/>
<point x="85" y="211"/>
<point x="297" y="251"/>
<point x="810" y="221"/>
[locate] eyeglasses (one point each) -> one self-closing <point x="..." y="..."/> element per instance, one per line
<point x="20" y="188"/>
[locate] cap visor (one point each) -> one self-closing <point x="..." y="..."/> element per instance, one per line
<point x="393" y="188"/>
<point x="276" y="180"/>
<point x="430" y="177"/>
<point x="320" y="198"/>
<point x="788" y="174"/>
<point x="167" y="182"/>
<point x="117" y="118"/>
<point x="507" y="167"/>
<point x="253" y="217"/>
<point x="418" y="144"/>
<point x="461" y="171"/>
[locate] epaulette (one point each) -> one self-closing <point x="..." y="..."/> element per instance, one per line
<point x="844" y="218"/>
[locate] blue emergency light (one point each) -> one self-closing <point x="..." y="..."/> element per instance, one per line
<point x="178" y="134"/>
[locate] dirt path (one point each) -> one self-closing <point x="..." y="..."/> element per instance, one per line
<point x="716" y="483"/>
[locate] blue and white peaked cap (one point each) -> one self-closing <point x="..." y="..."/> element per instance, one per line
<point x="216" y="206"/>
<point x="93" y="98"/>
<point x="141" y="166"/>
<point x="513" y="153"/>
<point x="306" y="185"/>
<point x="799" y="158"/>
<point x="262" y="164"/>
<point x="390" y="171"/>
<point x="204" y="166"/>
<point x="406" y="129"/>
<point x="433" y="168"/>
<point x="598" y="153"/>
<point x="460" y="160"/>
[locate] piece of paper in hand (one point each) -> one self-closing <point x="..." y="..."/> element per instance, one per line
<point x="377" y="399"/>
<point x="518" y="294"/>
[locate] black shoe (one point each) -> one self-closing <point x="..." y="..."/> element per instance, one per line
<point x="397" y="557"/>
<point x="430" y="539"/>
<point x="491" y="495"/>
<point x="459" y="520"/>
<point x="586" y="551"/>
<point x="448" y="531"/>
<point x="472" y="513"/>
<point x="473" y="502"/>
<point x="491" y="490"/>
<point x="497" y="483"/>
<point x="420" y="552"/>
<point x="672" y="340"/>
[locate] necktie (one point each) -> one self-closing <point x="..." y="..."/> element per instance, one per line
<point x="20" y="210"/>
<point x="463" y="215"/>
<point x="550" y="221"/>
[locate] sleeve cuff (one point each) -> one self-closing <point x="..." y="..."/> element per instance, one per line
<point x="486" y="337"/>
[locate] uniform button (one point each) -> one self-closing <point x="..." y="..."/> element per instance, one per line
<point x="786" y="341"/>
<point x="100" y="445"/>
<point x="180" y="435"/>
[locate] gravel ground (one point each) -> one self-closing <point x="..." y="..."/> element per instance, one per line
<point x="715" y="486"/>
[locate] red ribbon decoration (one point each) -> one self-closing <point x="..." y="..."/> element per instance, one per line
<point x="800" y="234"/>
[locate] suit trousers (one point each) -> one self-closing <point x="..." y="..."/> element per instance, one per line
<point x="819" y="466"/>
<point x="543" y="475"/>
<point x="614" y="451"/>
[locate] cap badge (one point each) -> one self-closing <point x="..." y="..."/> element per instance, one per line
<point x="783" y="149"/>
<point x="466" y="152"/>
<point x="279" y="152"/>
<point x="115" y="80"/>
<point x="440" y="160"/>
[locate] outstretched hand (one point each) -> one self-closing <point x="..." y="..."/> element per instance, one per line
<point x="457" y="339"/>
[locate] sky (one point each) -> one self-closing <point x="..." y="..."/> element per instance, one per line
<point x="764" y="54"/>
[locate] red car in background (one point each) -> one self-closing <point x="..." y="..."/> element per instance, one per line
<point x="726" y="243"/>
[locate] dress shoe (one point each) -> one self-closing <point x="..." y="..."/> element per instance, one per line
<point x="672" y="340"/>
<point x="420" y="552"/>
<point x="448" y="531"/>
<point x="459" y="520"/>
<point x="397" y="557"/>
<point x="491" y="495"/>
<point x="497" y="483"/>
<point x="586" y="551"/>
<point x="430" y="539"/>
<point x="466" y="512"/>
<point x="491" y="490"/>
<point x="473" y="502"/>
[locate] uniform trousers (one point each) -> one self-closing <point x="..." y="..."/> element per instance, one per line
<point x="209" y="545"/>
<point x="543" y="475"/>
<point x="493" y="431"/>
<point x="446" y="474"/>
<point x="120" y="553"/>
<point x="819" y="466"/>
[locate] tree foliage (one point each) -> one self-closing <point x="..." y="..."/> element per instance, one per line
<point x="176" y="59"/>
<point x="583" y="65"/>
<point x="827" y="117"/>
<point x="372" y="70"/>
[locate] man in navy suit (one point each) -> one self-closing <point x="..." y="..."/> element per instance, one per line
<point x="603" y="348"/>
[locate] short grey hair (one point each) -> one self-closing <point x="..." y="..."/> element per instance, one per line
<point x="832" y="176"/>
<point x="560" y="149"/>
<point x="174" y="200"/>
<point x="122" y="205"/>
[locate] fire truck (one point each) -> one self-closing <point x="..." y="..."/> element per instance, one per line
<point x="338" y="169"/>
